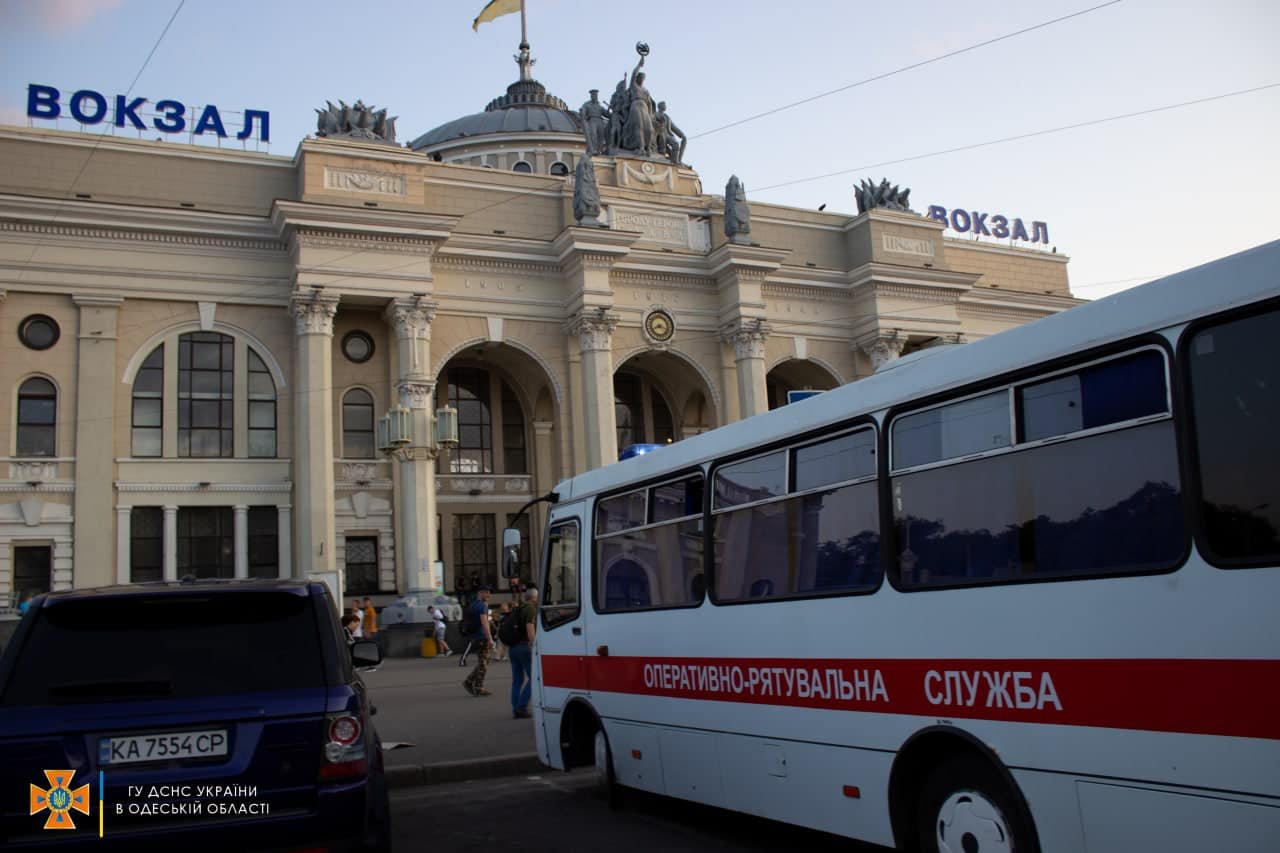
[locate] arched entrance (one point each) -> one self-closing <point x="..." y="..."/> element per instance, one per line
<point x="660" y="398"/>
<point x="796" y="375"/>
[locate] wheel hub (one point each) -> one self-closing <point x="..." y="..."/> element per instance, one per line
<point x="970" y="823"/>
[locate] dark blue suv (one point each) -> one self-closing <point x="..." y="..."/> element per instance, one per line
<point x="192" y="715"/>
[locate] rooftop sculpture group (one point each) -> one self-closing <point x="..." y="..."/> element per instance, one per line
<point x="630" y="124"/>
<point x="882" y="195"/>
<point x="356" y="122"/>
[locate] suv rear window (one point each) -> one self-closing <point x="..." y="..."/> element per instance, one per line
<point x="167" y="646"/>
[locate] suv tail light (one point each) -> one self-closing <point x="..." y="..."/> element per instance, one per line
<point x="345" y="754"/>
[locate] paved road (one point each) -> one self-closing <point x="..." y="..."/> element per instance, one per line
<point x="421" y="701"/>
<point x="564" y="812"/>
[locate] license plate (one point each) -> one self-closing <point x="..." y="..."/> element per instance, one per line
<point x="162" y="746"/>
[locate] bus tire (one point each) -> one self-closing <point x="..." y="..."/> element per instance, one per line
<point x="604" y="770"/>
<point x="966" y="806"/>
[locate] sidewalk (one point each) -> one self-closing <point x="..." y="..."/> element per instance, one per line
<point x="455" y="735"/>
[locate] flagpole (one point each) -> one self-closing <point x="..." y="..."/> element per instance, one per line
<point x="524" y="32"/>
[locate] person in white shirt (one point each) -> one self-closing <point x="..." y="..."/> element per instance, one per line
<point x="437" y="616"/>
<point x="358" y="631"/>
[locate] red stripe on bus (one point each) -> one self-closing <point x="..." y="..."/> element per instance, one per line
<point x="1239" y="698"/>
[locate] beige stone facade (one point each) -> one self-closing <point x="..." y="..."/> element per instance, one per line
<point x="212" y="404"/>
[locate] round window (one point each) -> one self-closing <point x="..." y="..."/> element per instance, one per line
<point x="357" y="347"/>
<point x="38" y="332"/>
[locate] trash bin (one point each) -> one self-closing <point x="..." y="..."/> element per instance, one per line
<point x="429" y="649"/>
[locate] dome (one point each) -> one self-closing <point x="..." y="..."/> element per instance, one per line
<point x="526" y="108"/>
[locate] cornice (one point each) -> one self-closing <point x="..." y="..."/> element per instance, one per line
<point x="250" y="488"/>
<point x="472" y="263"/>
<point x="383" y="224"/>
<point x="76" y="219"/>
<point x="881" y="274"/>
<point x="593" y="246"/>
<point x="745" y="259"/>
<point x="895" y="217"/>
<point x="145" y="147"/>
<point x="1012" y="251"/>
<point x="631" y="277"/>
<point x="814" y="292"/>
<point x="316" y="238"/>
<point x="42" y="488"/>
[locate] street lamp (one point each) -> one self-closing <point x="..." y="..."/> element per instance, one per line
<point x="395" y="433"/>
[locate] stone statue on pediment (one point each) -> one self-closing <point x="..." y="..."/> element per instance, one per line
<point x="737" y="213"/>
<point x="595" y="124"/>
<point x="586" y="194"/>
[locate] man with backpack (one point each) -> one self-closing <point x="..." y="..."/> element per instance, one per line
<point x="517" y="632"/>
<point x="476" y="626"/>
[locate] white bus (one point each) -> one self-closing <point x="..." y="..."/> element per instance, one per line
<point x="1021" y="594"/>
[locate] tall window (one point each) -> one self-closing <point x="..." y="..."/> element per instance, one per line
<point x="362" y="563"/>
<point x="262" y="408"/>
<point x="357" y="424"/>
<point x="32" y="569"/>
<point x="641" y="413"/>
<point x="264" y="542"/>
<point x="469" y="394"/>
<point x="475" y="548"/>
<point x="206" y="541"/>
<point x="146" y="544"/>
<point x="206" y="382"/>
<point x="148" y="405"/>
<point x="514" y="459"/>
<point x="37" y="418"/>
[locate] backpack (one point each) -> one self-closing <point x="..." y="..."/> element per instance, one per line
<point x="511" y="632"/>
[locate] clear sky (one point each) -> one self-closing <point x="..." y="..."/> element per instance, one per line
<point x="1126" y="200"/>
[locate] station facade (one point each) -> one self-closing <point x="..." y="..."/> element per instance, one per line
<point x="196" y="344"/>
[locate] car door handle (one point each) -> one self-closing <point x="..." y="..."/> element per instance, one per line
<point x="577" y="631"/>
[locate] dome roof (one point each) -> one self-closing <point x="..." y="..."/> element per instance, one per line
<point x="526" y="108"/>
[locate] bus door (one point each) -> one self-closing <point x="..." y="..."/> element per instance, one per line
<point x="559" y="668"/>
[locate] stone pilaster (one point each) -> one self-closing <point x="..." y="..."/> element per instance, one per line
<point x="241" y="541"/>
<point x="747" y="339"/>
<point x="123" y="551"/>
<point x="313" y="314"/>
<point x="545" y="477"/>
<point x="594" y="331"/>
<point x="170" y="543"/>
<point x="587" y="255"/>
<point x="96" y="383"/>
<point x="284" y="539"/>
<point x="411" y="320"/>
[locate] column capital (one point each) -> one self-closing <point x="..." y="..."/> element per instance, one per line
<point x="882" y="348"/>
<point x="412" y="317"/>
<point x="415" y="394"/>
<point x="543" y="427"/>
<point x="747" y="336"/>
<point x="242" y="509"/>
<point x="313" y="312"/>
<point x="170" y="509"/>
<point x="594" y="328"/>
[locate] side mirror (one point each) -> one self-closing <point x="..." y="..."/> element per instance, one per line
<point x="365" y="653"/>
<point x="510" y="552"/>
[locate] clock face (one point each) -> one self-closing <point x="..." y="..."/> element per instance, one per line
<point x="659" y="325"/>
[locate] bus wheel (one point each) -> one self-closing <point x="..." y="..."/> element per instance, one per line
<point x="604" y="770"/>
<point x="965" y="807"/>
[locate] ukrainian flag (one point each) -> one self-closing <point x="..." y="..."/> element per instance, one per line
<point x="496" y="9"/>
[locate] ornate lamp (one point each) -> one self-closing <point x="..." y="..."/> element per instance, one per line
<point x="399" y="427"/>
<point x="446" y="432"/>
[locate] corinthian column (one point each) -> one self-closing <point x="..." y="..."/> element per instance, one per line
<point x="748" y="337"/>
<point x="411" y="319"/>
<point x="594" y="329"/>
<point x="883" y="349"/>
<point x="313" y="430"/>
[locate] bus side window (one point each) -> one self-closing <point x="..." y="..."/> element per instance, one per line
<point x="1234" y="372"/>
<point x="560" y="575"/>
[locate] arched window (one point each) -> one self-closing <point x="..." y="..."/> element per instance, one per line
<point x="206" y="382"/>
<point x="559" y="169"/>
<point x="262" y="408"/>
<point x="483" y="398"/>
<point x="357" y="425"/>
<point x="641" y="412"/>
<point x="37" y="418"/>
<point x="522" y="166"/>
<point x="148" y="406"/>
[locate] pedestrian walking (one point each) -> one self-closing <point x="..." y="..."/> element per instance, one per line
<point x="437" y="616"/>
<point x="481" y="642"/>
<point x="520" y="638"/>
<point x="357" y="611"/>
<point x="350" y="623"/>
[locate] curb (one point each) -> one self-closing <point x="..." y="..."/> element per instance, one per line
<point x="411" y="775"/>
